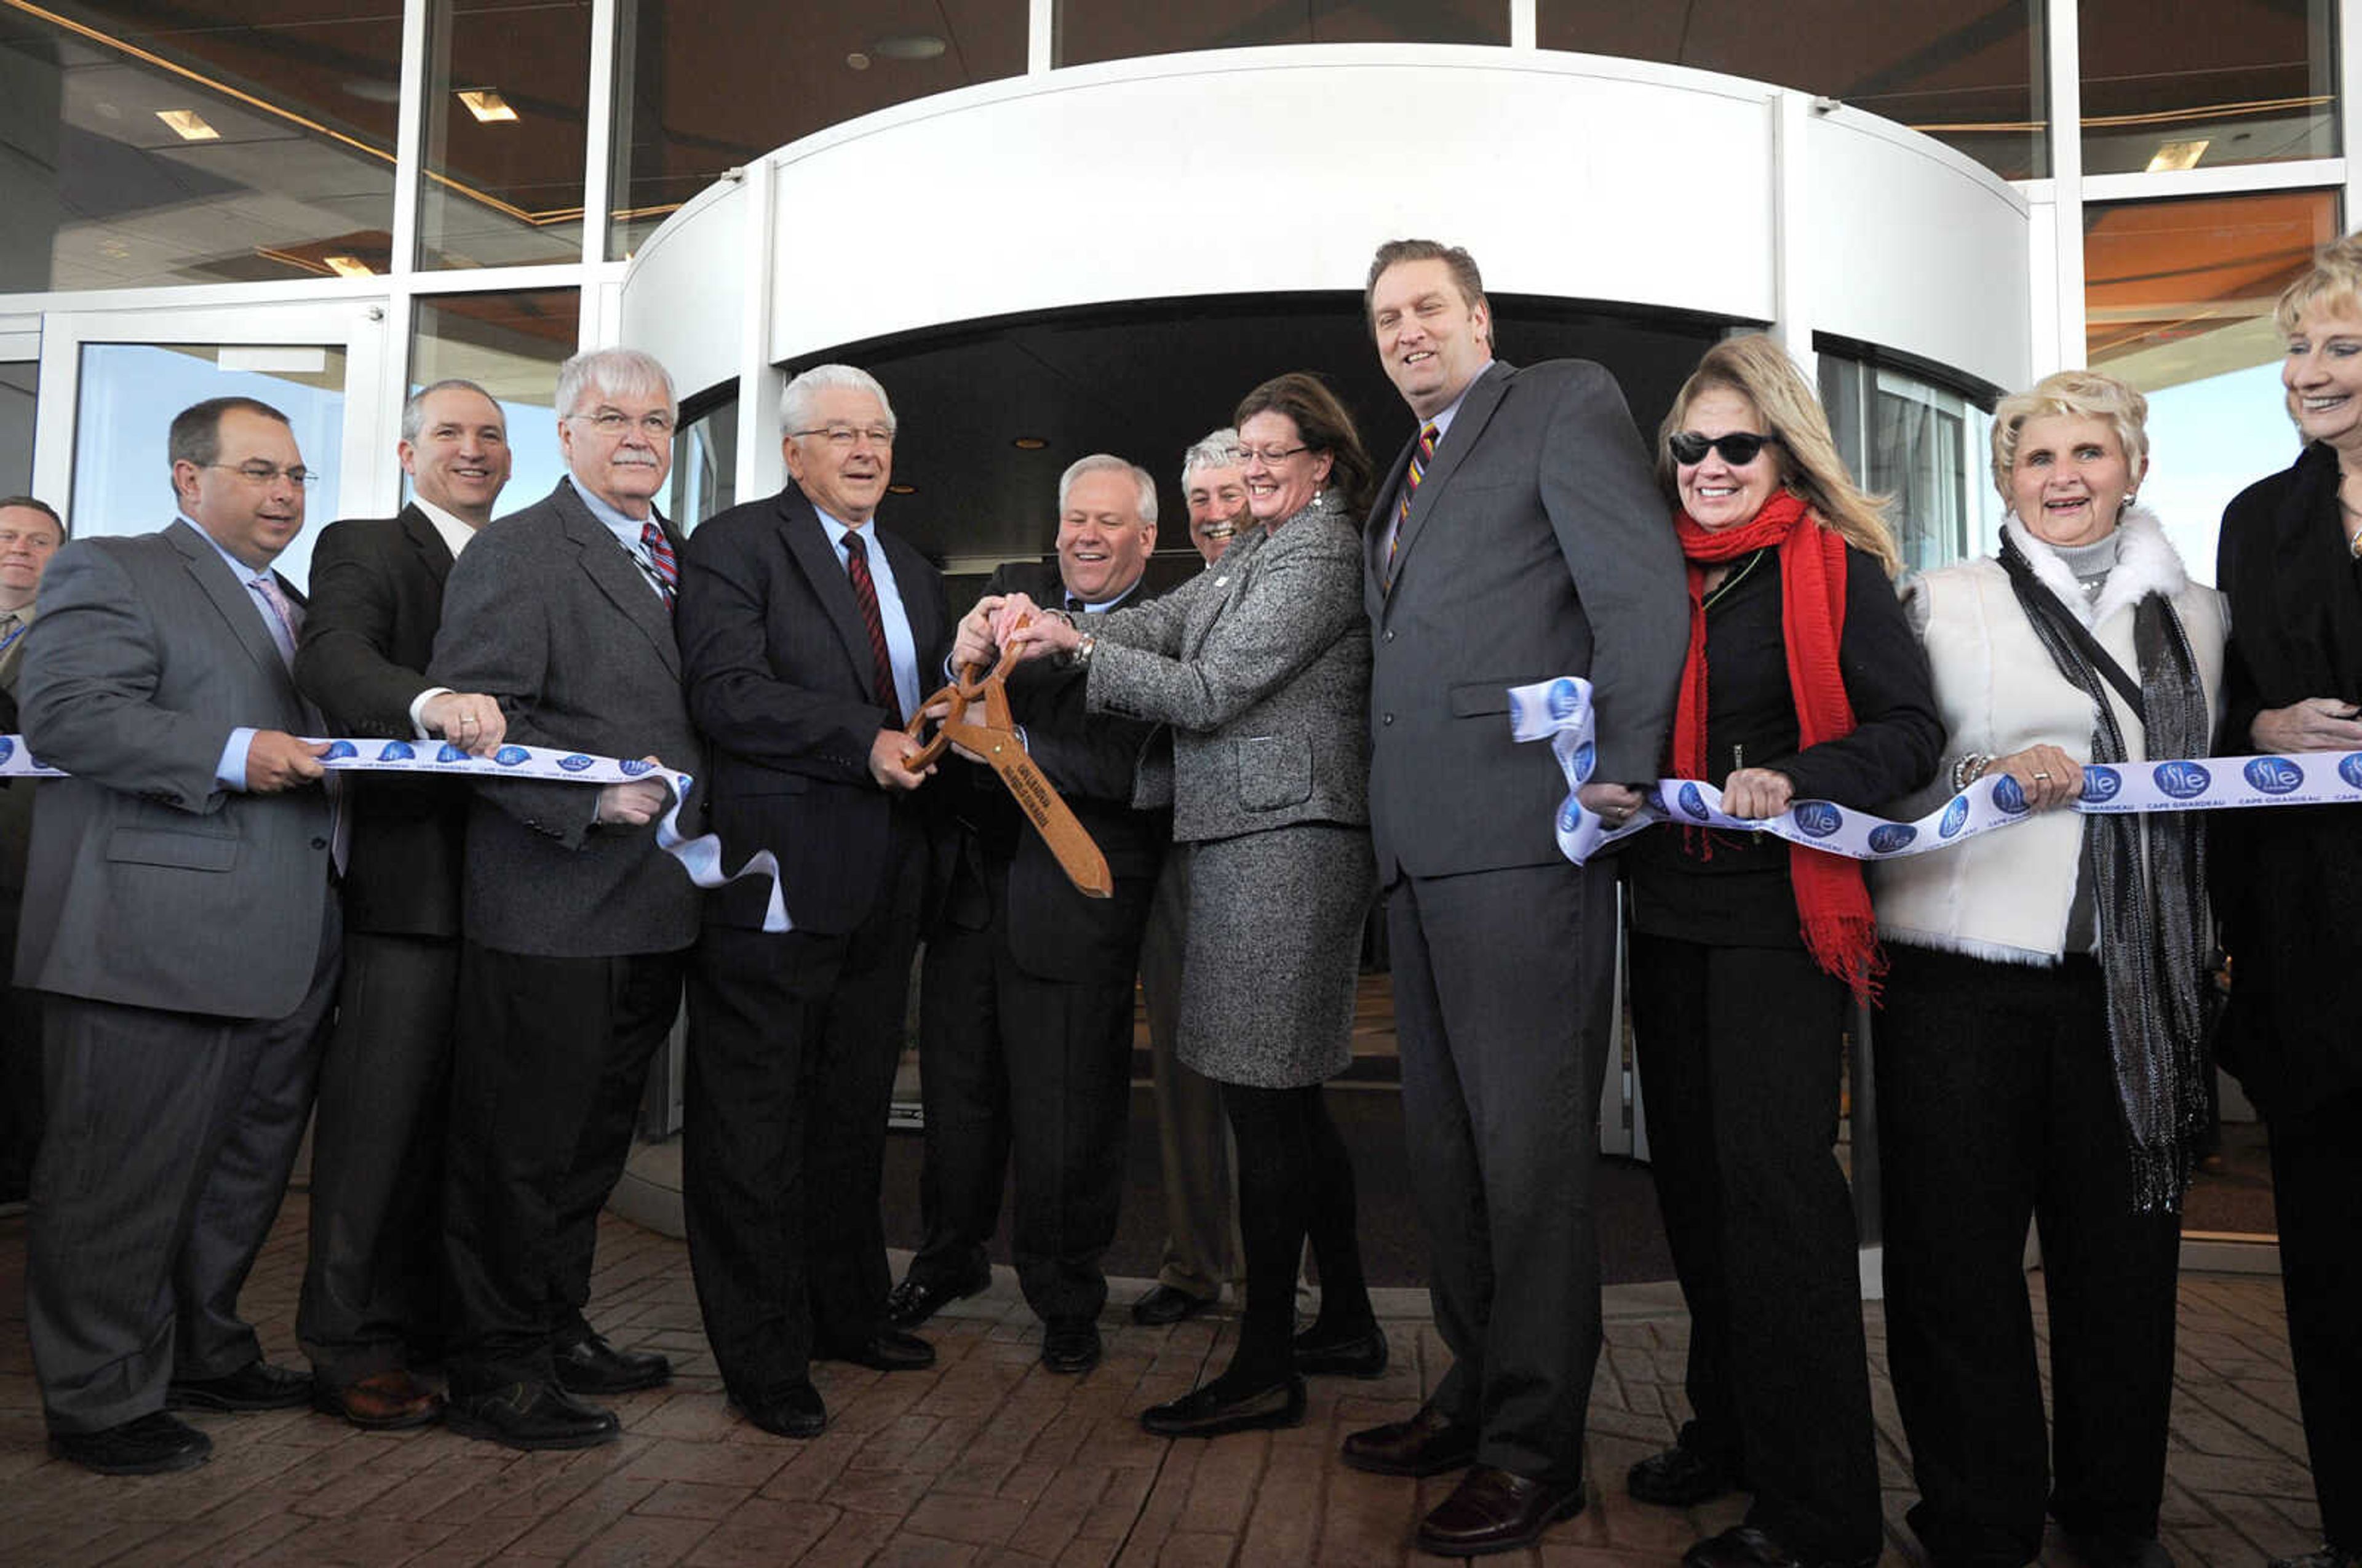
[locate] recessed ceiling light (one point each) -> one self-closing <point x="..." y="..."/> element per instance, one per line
<point x="486" y="105"/>
<point x="2174" y="156"/>
<point x="1030" y="443"/>
<point x="346" y="266"/>
<point x="856" y="60"/>
<point x="909" y="46"/>
<point x="188" y="125"/>
<point x="901" y="490"/>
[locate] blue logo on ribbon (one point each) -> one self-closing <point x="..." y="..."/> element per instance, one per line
<point x="1817" y="819"/>
<point x="1564" y="698"/>
<point x="510" y="755"/>
<point x="2101" y="783"/>
<point x="1584" y="755"/>
<point x="7" y="748"/>
<point x="2182" y="780"/>
<point x="576" y="763"/>
<point x="1956" y="817"/>
<point x="1695" y="803"/>
<point x="633" y="767"/>
<point x="337" y="749"/>
<point x="2349" y="769"/>
<point x="396" y="751"/>
<point x="1570" y="816"/>
<point x="2274" y="775"/>
<point x="449" y="753"/>
<point x="1893" y="836"/>
<point x="2009" y="795"/>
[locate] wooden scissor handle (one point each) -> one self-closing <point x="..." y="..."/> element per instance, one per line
<point x="976" y="684"/>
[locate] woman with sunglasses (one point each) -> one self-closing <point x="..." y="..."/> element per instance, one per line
<point x="2039" y="1055"/>
<point x="1803" y="682"/>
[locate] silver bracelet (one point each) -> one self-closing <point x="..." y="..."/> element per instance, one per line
<point x="1969" y="769"/>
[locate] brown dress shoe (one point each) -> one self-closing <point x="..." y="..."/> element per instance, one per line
<point x="382" y="1402"/>
<point x="1492" y="1510"/>
<point x="1427" y="1444"/>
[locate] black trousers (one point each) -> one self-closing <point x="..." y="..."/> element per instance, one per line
<point x="373" y="1281"/>
<point x="1740" y="1055"/>
<point x="1010" y="1061"/>
<point x="2317" y="1186"/>
<point x="1997" y="1105"/>
<point x="792" y="1044"/>
<point x="549" y="1058"/>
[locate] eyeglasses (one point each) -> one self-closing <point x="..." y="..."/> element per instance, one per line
<point x="1271" y="456"/>
<point x="268" y="473"/>
<point x="1738" y="449"/>
<point x="843" y="437"/>
<point x="612" y="422"/>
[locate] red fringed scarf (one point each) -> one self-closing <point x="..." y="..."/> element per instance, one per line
<point x="1832" y="900"/>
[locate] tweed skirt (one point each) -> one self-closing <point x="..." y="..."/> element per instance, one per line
<point x="1274" y="949"/>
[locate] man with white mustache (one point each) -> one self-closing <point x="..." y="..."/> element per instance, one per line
<point x="1213" y="483"/>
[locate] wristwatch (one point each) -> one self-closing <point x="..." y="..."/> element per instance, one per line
<point x="1085" y="646"/>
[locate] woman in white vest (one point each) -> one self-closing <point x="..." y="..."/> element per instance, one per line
<point x="2039" y="1054"/>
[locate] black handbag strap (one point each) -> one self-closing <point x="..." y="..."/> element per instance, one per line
<point x="2021" y="571"/>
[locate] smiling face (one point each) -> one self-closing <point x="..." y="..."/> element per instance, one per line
<point x="1431" y="340"/>
<point x="1217" y="504"/>
<point x="1715" y="491"/>
<point x="1280" y="489"/>
<point x="846" y="481"/>
<point x="460" y="459"/>
<point x="1103" y="545"/>
<point x="252" y="521"/>
<point x="626" y="468"/>
<point x="2068" y="481"/>
<point x="29" y="538"/>
<point x="2323" y="373"/>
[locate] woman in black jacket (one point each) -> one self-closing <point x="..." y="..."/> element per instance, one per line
<point x="1803" y="682"/>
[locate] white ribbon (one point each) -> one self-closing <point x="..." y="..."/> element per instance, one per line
<point x="1559" y="711"/>
<point x="699" y="858"/>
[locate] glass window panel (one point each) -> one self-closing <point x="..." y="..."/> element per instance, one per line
<point x="705" y="85"/>
<point x="2204" y="85"/>
<point x="704" y="465"/>
<point x="510" y="345"/>
<point x="2178" y="297"/>
<point x="1091" y="30"/>
<point x="20" y="385"/>
<point x="508" y="85"/>
<point x="1970" y="76"/>
<point x="1912" y="442"/>
<point x="249" y="140"/>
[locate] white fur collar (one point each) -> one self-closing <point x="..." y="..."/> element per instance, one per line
<point x="2146" y="564"/>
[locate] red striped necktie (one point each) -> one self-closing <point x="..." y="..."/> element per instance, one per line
<point x="865" y="592"/>
<point x="660" y="556"/>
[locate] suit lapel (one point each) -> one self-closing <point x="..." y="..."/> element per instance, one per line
<point x="808" y="543"/>
<point x="428" y="542"/>
<point x="611" y="567"/>
<point x="1373" y="532"/>
<point x="1475" y="409"/>
<point x="231" y="596"/>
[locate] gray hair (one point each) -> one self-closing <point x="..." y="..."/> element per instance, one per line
<point x="1219" y="449"/>
<point x="617" y="371"/>
<point x="797" y="400"/>
<point x="1107" y="462"/>
<point x="414" y="410"/>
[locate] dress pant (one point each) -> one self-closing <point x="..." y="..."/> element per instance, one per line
<point x="372" y="1284"/>
<point x="1504" y="987"/>
<point x="1193" y="1135"/>
<point x="1997" y="1105"/>
<point x="173" y="1135"/>
<point x="2317" y="1186"/>
<point x="792" y="1045"/>
<point x="549" y="1059"/>
<point x="1740" y="1051"/>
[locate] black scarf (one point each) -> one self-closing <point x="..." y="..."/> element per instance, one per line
<point x="2154" y="926"/>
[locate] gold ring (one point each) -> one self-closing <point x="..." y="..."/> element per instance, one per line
<point x="2042" y="777"/>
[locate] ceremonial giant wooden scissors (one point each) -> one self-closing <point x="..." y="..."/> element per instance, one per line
<point x="995" y="741"/>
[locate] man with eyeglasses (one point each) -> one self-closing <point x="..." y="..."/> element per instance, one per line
<point x="1522" y="505"/>
<point x="810" y="638"/>
<point x="182" y="918"/>
<point x="372" y="1281"/>
<point x="575" y="925"/>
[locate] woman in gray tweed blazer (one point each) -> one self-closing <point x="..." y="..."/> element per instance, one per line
<point x="1262" y="668"/>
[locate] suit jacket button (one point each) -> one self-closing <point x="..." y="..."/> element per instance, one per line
<point x="1388" y="719"/>
<point x="1390" y="634"/>
<point x="319" y="844"/>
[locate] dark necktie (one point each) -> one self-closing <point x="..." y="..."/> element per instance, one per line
<point x="864" y="593"/>
<point x="659" y="550"/>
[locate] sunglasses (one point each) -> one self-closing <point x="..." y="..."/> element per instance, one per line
<point x="1738" y="449"/>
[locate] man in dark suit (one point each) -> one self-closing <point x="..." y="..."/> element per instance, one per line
<point x="1523" y="506"/>
<point x="576" y="925"/>
<point x="808" y="637"/>
<point x="31" y="533"/>
<point x="1026" y="998"/>
<point x="371" y="1284"/>
<point x="179" y="916"/>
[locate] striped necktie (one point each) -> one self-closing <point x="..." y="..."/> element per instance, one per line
<point x="1422" y="456"/>
<point x="659" y="550"/>
<point x="864" y="593"/>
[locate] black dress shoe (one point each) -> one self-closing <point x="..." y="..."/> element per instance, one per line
<point x="591" y="1365"/>
<point x="531" y="1416"/>
<point x="1492" y="1510"/>
<point x="1744" y="1546"/>
<point x="257" y="1385"/>
<point x="1070" y="1344"/>
<point x="1210" y="1410"/>
<point x="1427" y="1444"/>
<point x="1168" y="1304"/>
<point x="146" y="1445"/>
<point x="1681" y="1477"/>
<point x="793" y="1411"/>
<point x="1359" y="1354"/>
<point x="888" y="1350"/>
<point x="915" y="1300"/>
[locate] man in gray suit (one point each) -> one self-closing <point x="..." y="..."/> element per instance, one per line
<point x="575" y="925"/>
<point x="179" y="917"/>
<point x="1520" y="535"/>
